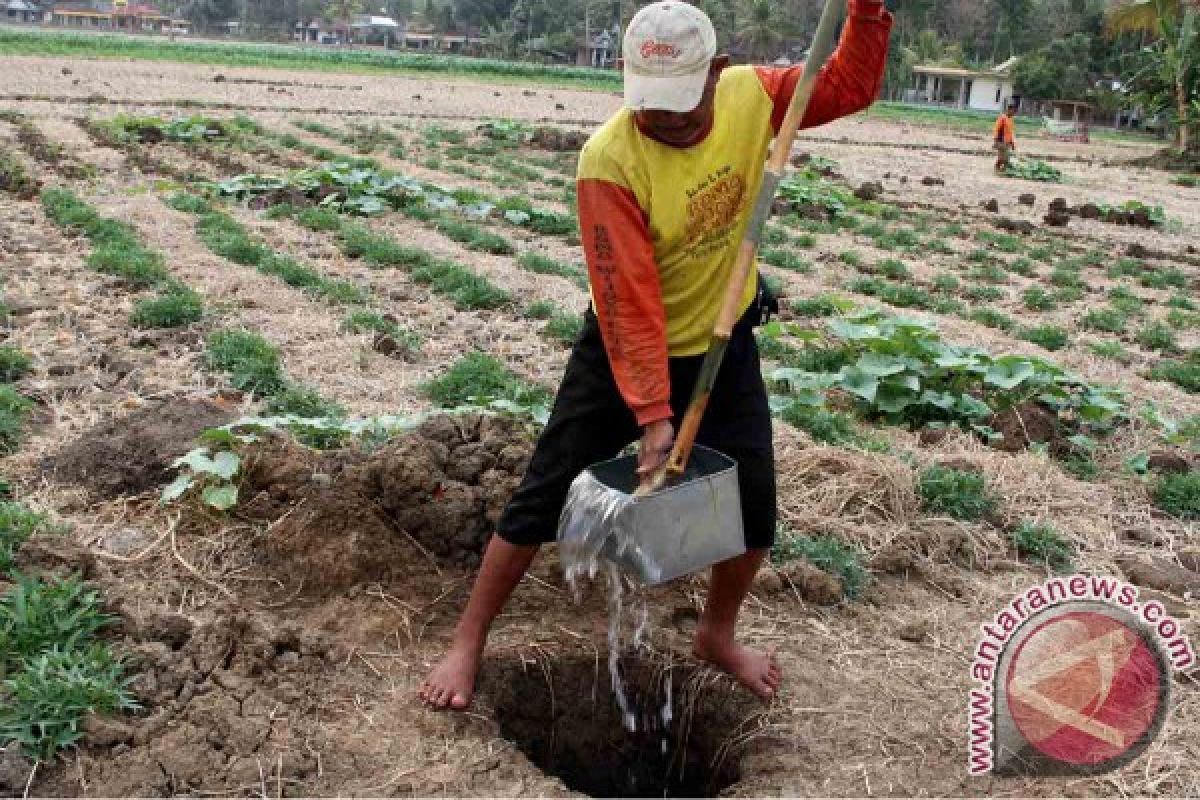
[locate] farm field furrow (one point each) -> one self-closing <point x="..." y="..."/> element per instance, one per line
<point x="275" y="346"/>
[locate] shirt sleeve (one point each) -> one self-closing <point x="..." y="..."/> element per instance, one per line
<point x="850" y="81"/>
<point x="627" y="295"/>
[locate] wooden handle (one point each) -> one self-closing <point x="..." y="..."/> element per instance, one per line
<point x="822" y="49"/>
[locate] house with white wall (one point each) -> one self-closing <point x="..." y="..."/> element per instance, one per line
<point x="957" y="87"/>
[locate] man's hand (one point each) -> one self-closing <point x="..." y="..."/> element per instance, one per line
<point x="657" y="440"/>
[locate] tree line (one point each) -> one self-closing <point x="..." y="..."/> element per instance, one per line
<point x="1070" y="49"/>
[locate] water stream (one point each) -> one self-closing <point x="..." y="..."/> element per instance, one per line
<point x="595" y="538"/>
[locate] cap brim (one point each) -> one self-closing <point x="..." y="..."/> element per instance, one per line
<point x="679" y="93"/>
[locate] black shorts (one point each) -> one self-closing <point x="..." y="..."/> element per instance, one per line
<point x="591" y="423"/>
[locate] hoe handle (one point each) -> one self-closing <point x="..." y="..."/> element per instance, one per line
<point x="822" y="49"/>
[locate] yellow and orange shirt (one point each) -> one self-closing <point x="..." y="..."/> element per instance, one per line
<point x="1004" y="133"/>
<point x="661" y="225"/>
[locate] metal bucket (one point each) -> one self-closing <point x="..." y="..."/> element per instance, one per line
<point x="677" y="531"/>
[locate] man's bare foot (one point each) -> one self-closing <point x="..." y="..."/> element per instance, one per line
<point x="451" y="684"/>
<point x="757" y="671"/>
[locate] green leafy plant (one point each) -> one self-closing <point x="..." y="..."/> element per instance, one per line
<point x="955" y="493"/>
<point x="1126" y="301"/>
<point x="1109" y="320"/>
<point x="319" y="219"/>
<point x="992" y="319"/>
<point x="828" y="554"/>
<point x="1051" y="337"/>
<point x="477" y="379"/>
<point x="137" y="266"/>
<point x="1036" y="298"/>
<point x="542" y="265"/>
<point x="893" y="269"/>
<point x="466" y="289"/>
<point x="1157" y="336"/>
<point x="1181" y="320"/>
<point x="1044" y="253"/>
<point x="1041" y="543"/>
<point x="828" y="427"/>
<point x="188" y="203"/>
<point x="985" y="294"/>
<point x="564" y="327"/>
<point x="1064" y="277"/>
<point x="946" y="282"/>
<point x="15" y="363"/>
<point x="211" y="472"/>
<point x="785" y="259"/>
<point x="56" y="672"/>
<point x="173" y="309"/>
<point x="475" y="238"/>
<point x="252" y="362"/>
<point x="540" y="309"/>
<point x="1164" y="278"/>
<point x="1179" y="495"/>
<point x="17" y="523"/>
<point x="14" y="411"/>
<point x="374" y="322"/>
<point x="823" y="195"/>
<point x="1033" y="170"/>
<point x="1069" y="294"/>
<point x="902" y="296"/>
<point x="900" y="370"/>
<point x="1109" y="350"/>
<point x="1023" y="267"/>
<point x="822" y="305"/>
<point x="1184" y="373"/>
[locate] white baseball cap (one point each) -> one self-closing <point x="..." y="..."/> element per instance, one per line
<point x="669" y="47"/>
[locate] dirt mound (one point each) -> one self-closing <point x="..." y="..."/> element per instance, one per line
<point x="558" y="140"/>
<point x="1026" y="425"/>
<point x="130" y="455"/>
<point x="214" y="691"/>
<point x="344" y="518"/>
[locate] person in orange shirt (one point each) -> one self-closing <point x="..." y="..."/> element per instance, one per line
<point x="1005" y="137"/>
<point x="666" y="189"/>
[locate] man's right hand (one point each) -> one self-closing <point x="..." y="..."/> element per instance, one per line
<point x="657" y="440"/>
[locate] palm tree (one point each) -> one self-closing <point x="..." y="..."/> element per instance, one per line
<point x="759" y="28"/>
<point x="1175" y="24"/>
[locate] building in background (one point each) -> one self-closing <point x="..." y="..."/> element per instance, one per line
<point x="956" y="87"/>
<point x="24" y="11"/>
<point x="116" y="16"/>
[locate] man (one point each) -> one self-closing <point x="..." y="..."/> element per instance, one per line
<point x="1005" y="137"/>
<point x="666" y="189"/>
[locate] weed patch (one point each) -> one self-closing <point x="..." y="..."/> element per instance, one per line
<point x="1051" y="337"/>
<point x="57" y="671"/>
<point x="253" y="363"/>
<point x="174" y="309"/>
<point x="1040" y="543"/>
<point x="1108" y="320"/>
<point x="1157" y="336"/>
<point x="955" y="493"/>
<point x="564" y="327"/>
<point x="479" y="379"/>
<point x="1179" y="495"/>
<point x="14" y="363"/>
<point x="14" y="412"/>
<point x="17" y="523"/>
<point x="1184" y="373"/>
<point x="827" y="553"/>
